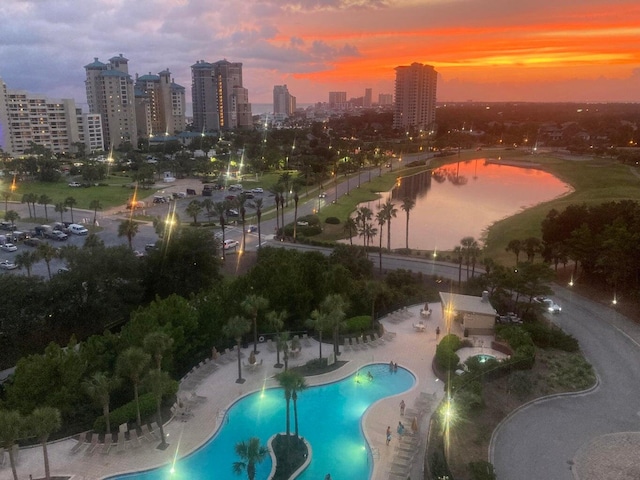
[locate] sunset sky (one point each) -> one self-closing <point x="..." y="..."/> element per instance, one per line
<point x="484" y="50"/>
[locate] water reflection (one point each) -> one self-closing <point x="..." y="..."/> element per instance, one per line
<point x="462" y="199"/>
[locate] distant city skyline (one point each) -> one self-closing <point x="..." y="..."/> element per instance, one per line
<point x="483" y="51"/>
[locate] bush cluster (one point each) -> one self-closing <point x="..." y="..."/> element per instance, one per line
<point x="359" y="324"/>
<point x="332" y="220"/>
<point x="446" y="356"/>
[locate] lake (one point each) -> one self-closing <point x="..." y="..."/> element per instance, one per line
<point x="463" y="199"/>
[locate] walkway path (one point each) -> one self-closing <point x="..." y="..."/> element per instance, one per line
<point x="409" y="348"/>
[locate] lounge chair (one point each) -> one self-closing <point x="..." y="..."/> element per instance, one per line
<point x="105" y="447"/>
<point x="80" y="444"/>
<point x="371" y="342"/>
<point x="134" y="440"/>
<point x="155" y="430"/>
<point x="120" y="446"/>
<point x="15" y="451"/>
<point x="379" y="339"/>
<point x="2" y="457"/>
<point x="347" y="345"/>
<point x="93" y="444"/>
<point x="271" y="346"/>
<point x="146" y="433"/>
<point x="305" y="340"/>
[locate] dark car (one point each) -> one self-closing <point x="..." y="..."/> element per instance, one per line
<point x="232" y="212"/>
<point x="33" y="242"/>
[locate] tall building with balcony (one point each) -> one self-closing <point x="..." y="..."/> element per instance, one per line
<point x="284" y="104"/>
<point x="385" y="99"/>
<point x="90" y="130"/>
<point x="337" y="100"/>
<point x="220" y="102"/>
<point x="415" y="96"/>
<point x="204" y="98"/>
<point x="368" y="94"/>
<point x="27" y="117"/>
<point x="160" y="105"/>
<point x="110" y="93"/>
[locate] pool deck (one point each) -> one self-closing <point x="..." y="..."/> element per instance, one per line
<point x="218" y="389"/>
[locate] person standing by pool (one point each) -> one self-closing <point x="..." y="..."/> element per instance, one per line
<point x="388" y="434"/>
<point x="402" y="405"/>
<point x="400" y="429"/>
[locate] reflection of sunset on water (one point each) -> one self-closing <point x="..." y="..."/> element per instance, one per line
<point x="462" y="199"/>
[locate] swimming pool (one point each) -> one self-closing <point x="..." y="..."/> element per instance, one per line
<point x="329" y="419"/>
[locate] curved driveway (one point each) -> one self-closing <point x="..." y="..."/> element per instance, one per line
<point x="542" y="440"/>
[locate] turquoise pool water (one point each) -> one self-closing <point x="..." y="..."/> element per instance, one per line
<point x="329" y="418"/>
<point x="483" y="357"/>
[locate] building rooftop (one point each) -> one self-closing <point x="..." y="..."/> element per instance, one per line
<point x="466" y="303"/>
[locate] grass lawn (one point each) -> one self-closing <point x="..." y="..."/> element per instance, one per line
<point x="115" y="192"/>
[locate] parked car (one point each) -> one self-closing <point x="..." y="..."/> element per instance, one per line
<point x="78" y="229"/>
<point x="4" y="225"/>
<point x="232" y="212"/>
<point x="229" y="244"/>
<point x="257" y="190"/>
<point x="230" y="197"/>
<point x="150" y="246"/>
<point x="74" y="184"/>
<point x="33" y="242"/>
<point x="549" y="305"/>
<point x="56" y="235"/>
<point x="7" y="265"/>
<point x="8" y="247"/>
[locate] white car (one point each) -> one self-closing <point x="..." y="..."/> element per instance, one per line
<point x="77" y="229"/>
<point x="322" y="195"/>
<point x="550" y="305"/>
<point x="257" y="190"/>
<point x="7" y="265"/>
<point x="8" y="247"/>
<point x="229" y="244"/>
<point x="74" y="184"/>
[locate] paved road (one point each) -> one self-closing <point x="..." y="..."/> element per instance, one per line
<point x="541" y="441"/>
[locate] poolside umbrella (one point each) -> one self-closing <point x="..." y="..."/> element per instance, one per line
<point x="414" y="425"/>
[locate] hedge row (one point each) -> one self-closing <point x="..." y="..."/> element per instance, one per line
<point x="446" y="356"/>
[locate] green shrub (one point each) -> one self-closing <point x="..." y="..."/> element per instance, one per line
<point x="127" y="412"/>
<point x="446" y="358"/>
<point x="332" y="220"/>
<point x="450" y="341"/>
<point x="524" y="357"/>
<point x="358" y="324"/>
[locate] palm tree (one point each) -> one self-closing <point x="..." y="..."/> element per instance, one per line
<point x="298" y="385"/>
<point x="252" y="306"/>
<point x="131" y="364"/>
<point x="335" y="306"/>
<point x="47" y="252"/>
<point x="70" y="202"/>
<point x="390" y="212"/>
<point x="157" y="344"/>
<point x="319" y="321"/>
<point x="282" y="212"/>
<point x="350" y="227"/>
<point x="287" y="381"/>
<point x="532" y="245"/>
<point x="258" y="203"/>
<point x="27" y="260"/>
<point x="6" y="195"/>
<point x="381" y="219"/>
<point x="235" y="328"/>
<point x="276" y="190"/>
<point x="207" y="204"/>
<point x="11" y="216"/>
<point x="251" y="453"/>
<point x="43" y="422"/>
<point x="220" y="208"/>
<point x="128" y="228"/>
<point x="282" y="342"/>
<point x="25" y="199"/>
<point x="45" y="200"/>
<point x="458" y="254"/>
<point x="515" y="246"/>
<point x="99" y="388"/>
<point x="407" y="206"/>
<point x="276" y="321"/>
<point x="60" y="207"/>
<point x="296" y="186"/>
<point x="158" y="383"/>
<point x="241" y="201"/>
<point x="11" y="429"/>
<point x="193" y="210"/>
<point x="469" y="245"/>
<point x="95" y="205"/>
<point x="368" y="232"/>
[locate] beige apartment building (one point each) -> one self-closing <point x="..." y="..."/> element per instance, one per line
<point x="415" y="96"/>
<point x="27" y="117"/>
<point x="160" y="105"/>
<point x="110" y="93"/>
